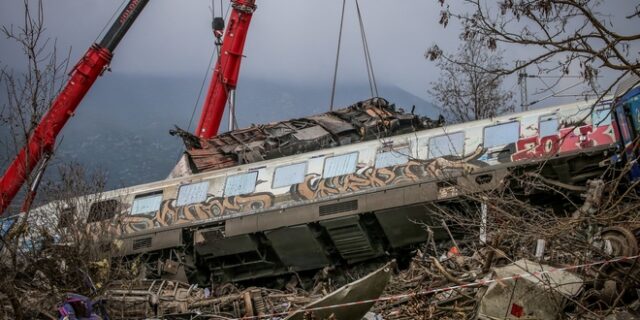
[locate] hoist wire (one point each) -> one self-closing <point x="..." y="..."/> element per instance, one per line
<point x="110" y="22"/>
<point x="335" y="70"/>
<point x="367" y="55"/>
<point x="204" y="80"/>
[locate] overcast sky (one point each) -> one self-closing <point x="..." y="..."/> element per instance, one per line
<point x="289" y="40"/>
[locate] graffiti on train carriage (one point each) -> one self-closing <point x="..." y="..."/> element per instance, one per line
<point x="565" y="140"/>
<point x="312" y="188"/>
<point x="315" y="187"/>
<point x="213" y="207"/>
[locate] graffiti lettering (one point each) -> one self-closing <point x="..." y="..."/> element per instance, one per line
<point x="565" y="141"/>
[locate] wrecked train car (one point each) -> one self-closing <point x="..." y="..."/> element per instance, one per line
<point x="338" y="188"/>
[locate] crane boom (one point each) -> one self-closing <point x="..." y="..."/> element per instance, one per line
<point x="225" y="74"/>
<point x="81" y="78"/>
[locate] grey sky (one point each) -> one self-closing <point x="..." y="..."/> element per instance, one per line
<point x="289" y="40"/>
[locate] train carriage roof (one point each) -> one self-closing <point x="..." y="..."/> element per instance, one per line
<point x="366" y="120"/>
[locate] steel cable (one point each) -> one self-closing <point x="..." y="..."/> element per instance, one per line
<point x="335" y="70"/>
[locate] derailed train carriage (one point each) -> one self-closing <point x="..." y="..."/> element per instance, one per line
<point x="336" y="188"/>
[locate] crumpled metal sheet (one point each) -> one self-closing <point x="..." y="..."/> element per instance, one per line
<point x="312" y="133"/>
<point x="534" y="297"/>
<point x="366" y="120"/>
<point x="332" y="123"/>
<point x="367" y="288"/>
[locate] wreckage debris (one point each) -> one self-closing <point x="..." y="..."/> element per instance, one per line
<point x="170" y="299"/>
<point x="453" y="286"/>
<point x="366" y="120"/>
<point x="540" y="296"/>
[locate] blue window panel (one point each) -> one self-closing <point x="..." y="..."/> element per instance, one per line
<point x="392" y="158"/>
<point x="240" y="184"/>
<point x="548" y="127"/>
<point x="6" y="224"/>
<point x="340" y="165"/>
<point x="146" y="203"/>
<point x="287" y="175"/>
<point x="601" y="117"/>
<point x="192" y="193"/>
<point x="445" y="145"/>
<point x="501" y="134"/>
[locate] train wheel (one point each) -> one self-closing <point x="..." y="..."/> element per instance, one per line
<point x="623" y="241"/>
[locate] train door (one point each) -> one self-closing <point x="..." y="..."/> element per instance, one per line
<point x="627" y="114"/>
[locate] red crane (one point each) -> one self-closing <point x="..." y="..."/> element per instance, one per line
<point x="41" y="142"/>
<point x="225" y="74"/>
<point x="93" y="63"/>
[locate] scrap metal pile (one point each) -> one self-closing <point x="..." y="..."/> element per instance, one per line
<point x="463" y="283"/>
<point x="486" y="284"/>
<point x="175" y="300"/>
<point x="582" y="273"/>
<point x="366" y="120"/>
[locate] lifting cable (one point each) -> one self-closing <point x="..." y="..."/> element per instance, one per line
<point x="335" y="70"/>
<point x="373" y="87"/>
<point x="110" y="21"/>
<point x="367" y="55"/>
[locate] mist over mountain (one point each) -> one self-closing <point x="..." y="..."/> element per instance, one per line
<point x="122" y="126"/>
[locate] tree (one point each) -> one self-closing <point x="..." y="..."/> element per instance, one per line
<point x="466" y="90"/>
<point x="558" y="35"/>
<point x="28" y="91"/>
<point x="44" y="254"/>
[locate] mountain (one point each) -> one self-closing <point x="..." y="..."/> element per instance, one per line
<point x="122" y="125"/>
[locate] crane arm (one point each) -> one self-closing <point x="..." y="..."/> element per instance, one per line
<point x="225" y="74"/>
<point x="83" y="75"/>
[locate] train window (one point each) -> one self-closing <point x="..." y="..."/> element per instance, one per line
<point x="240" y="184"/>
<point x="340" y="165"/>
<point x="287" y="175"/>
<point x="192" y="193"/>
<point x="147" y="203"/>
<point x="601" y="117"/>
<point x="548" y="126"/>
<point x="67" y="217"/>
<point x="447" y="144"/>
<point x="501" y="134"/>
<point x="392" y="158"/>
<point x="103" y="210"/>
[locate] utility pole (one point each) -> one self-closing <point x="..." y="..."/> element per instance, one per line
<point x="522" y="82"/>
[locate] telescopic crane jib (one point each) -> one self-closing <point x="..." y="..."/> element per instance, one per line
<point x="225" y="77"/>
<point x="40" y="144"/>
<point x="225" y="74"/>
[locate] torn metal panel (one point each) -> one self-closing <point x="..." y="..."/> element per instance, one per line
<point x="332" y="123"/>
<point x="533" y="297"/>
<point x="311" y="133"/>
<point x="367" y="288"/>
<point x="365" y="120"/>
<point x="182" y="168"/>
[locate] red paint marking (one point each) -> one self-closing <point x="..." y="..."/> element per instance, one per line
<point x="567" y="139"/>
<point x="517" y="310"/>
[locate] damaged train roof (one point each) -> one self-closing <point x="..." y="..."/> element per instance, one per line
<point x="365" y="120"/>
